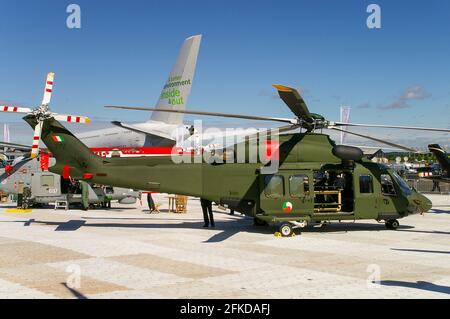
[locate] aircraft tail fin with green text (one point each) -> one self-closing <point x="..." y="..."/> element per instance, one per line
<point x="176" y="90"/>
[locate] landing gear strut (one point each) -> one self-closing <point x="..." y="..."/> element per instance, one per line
<point x="392" y="224"/>
<point x="259" y="222"/>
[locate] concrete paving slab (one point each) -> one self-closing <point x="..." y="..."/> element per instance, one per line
<point x="127" y="253"/>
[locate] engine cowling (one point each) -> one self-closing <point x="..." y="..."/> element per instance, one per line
<point x="348" y="153"/>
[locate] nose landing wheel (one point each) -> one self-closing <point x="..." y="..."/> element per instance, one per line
<point x="392" y="224"/>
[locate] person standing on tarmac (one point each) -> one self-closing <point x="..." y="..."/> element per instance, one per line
<point x="207" y="210"/>
<point x="151" y="203"/>
<point x="85" y="194"/>
<point x="436" y="186"/>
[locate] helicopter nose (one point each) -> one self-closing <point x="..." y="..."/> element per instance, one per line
<point x="422" y="203"/>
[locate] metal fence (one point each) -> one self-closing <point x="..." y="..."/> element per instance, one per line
<point x="426" y="186"/>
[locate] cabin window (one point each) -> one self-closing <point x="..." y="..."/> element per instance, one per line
<point x="387" y="186"/>
<point x="298" y="185"/>
<point x="274" y="186"/>
<point x="47" y="181"/>
<point x="365" y="184"/>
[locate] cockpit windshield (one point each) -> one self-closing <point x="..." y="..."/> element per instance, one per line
<point x="406" y="190"/>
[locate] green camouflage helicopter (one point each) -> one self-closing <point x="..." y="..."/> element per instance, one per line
<point x="315" y="180"/>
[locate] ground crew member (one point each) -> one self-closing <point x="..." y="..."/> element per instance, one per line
<point x="151" y="203"/>
<point x="436" y="186"/>
<point x="20" y="189"/>
<point x="207" y="210"/>
<point x="84" y="194"/>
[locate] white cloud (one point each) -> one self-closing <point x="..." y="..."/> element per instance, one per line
<point x="409" y="94"/>
<point x="415" y="93"/>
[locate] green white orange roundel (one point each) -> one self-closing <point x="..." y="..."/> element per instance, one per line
<point x="287" y="207"/>
<point x="58" y="138"/>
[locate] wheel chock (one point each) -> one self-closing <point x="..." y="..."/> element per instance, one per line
<point x="278" y="234"/>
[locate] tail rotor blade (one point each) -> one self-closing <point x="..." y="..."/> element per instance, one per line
<point x="48" y="88"/>
<point x="36" y="140"/>
<point x="72" y="118"/>
<point x="14" y="109"/>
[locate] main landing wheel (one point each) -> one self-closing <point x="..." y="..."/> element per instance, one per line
<point x="392" y="224"/>
<point x="286" y="230"/>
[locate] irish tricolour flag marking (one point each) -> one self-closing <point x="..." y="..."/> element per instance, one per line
<point x="58" y="138"/>
<point x="287" y="207"/>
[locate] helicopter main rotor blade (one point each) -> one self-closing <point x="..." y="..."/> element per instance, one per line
<point x="280" y="129"/>
<point x="288" y="128"/>
<point x="293" y="100"/>
<point x="238" y="116"/>
<point x="269" y="131"/>
<point x="332" y="124"/>
<point x="376" y="140"/>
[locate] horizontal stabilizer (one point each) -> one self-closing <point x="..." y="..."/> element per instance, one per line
<point x="143" y="131"/>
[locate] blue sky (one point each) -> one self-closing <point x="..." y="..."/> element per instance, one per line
<point x="125" y="49"/>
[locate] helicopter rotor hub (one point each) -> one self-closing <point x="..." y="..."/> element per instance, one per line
<point x="42" y="112"/>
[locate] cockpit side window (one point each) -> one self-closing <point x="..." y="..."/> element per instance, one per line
<point x="387" y="186"/>
<point x="406" y="190"/>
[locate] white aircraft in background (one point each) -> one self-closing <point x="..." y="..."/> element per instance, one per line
<point x="162" y="129"/>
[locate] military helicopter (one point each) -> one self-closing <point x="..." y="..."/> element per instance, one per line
<point x="316" y="180"/>
<point x="40" y="187"/>
<point x="444" y="162"/>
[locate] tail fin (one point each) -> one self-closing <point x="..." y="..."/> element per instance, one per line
<point x="70" y="153"/>
<point x="441" y="156"/>
<point x="178" y="87"/>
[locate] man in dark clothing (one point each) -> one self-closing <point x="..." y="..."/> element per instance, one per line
<point x="436" y="186"/>
<point x="207" y="209"/>
<point x="151" y="203"/>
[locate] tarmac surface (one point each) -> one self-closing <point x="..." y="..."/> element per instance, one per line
<point x="126" y="253"/>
